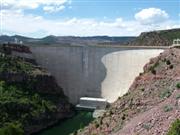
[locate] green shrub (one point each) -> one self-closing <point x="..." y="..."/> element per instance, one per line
<point x="153" y="71"/>
<point x="15" y="65"/>
<point x="123" y="117"/>
<point x="178" y="85"/>
<point x="147" y="126"/>
<point x="171" y="66"/>
<point x="25" y="106"/>
<point x="96" y="124"/>
<point x="175" y="128"/>
<point x="152" y="68"/>
<point x="167" y="108"/>
<point x="165" y="94"/>
<point x="178" y="96"/>
<point x="168" y="62"/>
<point x="126" y="94"/>
<point x="142" y="89"/>
<point x="12" y="129"/>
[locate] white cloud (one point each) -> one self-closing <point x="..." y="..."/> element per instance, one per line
<point x="17" y="22"/>
<point x="51" y="9"/>
<point x="151" y="16"/>
<point x="48" y="5"/>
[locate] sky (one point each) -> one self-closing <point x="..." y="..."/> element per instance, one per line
<point x="40" y="18"/>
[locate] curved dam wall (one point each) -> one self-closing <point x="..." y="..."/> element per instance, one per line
<point x="93" y="71"/>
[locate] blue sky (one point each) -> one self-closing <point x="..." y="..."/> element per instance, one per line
<point x="39" y="18"/>
<point x="114" y="8"/>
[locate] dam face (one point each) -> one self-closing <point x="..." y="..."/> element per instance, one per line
<point x="96" y="72"/>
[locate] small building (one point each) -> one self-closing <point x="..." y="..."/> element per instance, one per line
<point x="92" y="103"/>
<point x="176" y="43"/>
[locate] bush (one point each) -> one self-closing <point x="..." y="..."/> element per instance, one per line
<point x="15" y="65"/>
<point x="165" y="94"/>
<point x="168" y="108"/>
<point x="25" y="106"/>
<point x="147" y="126"/>
<point x="168" y="62"/>
<point x="175" y="128"/>
<point x="153" y="71"/>
<point x="178" y="96"/>
<point x="12" y="129"/>
<point x="96" y="124"/>
<point x="152" y="68"/>
<point x="178" y="85"/>
<point x="171" y="66"/>
<point x="123" y="117"/>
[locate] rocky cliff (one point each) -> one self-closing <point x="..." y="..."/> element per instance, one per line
<point x="156" y="38"/>
<point x="150" y="106"/>
<point x="30" y="99"/>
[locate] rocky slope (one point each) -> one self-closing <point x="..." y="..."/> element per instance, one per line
<point x="30" y="99"/>
<point x="150" y="106"/>
<point x="156" y="38"/>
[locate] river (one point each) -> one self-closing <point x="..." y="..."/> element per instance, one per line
<point x="78" y="121"/>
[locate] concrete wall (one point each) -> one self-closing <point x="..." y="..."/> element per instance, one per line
<point x="93" y="103"/>
<point x="93" y="71"/>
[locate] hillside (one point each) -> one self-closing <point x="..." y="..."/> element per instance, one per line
<point x="67" y="40"/>
<point x="153" y="38"/>
<point x="156" y="38"/>
<point x="150" y="106"/>
<point x="30" y="99"/>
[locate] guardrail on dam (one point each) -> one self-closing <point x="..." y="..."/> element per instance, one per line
<point x="91" y="71"/>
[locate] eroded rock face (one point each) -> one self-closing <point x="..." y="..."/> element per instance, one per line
<point x="8" y="48"/>
<point x="151" y="104"/>
<point x="151" y="38"/>
<point x="156" y="38"/>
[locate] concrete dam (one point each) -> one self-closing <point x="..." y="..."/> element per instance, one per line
<point x="92" y="71"/>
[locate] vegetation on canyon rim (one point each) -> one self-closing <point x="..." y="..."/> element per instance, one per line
<point x="22" y="106"/>
<point x="18" y="107"/>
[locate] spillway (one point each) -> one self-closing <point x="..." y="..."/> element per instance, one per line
<point x="90" y="71"/>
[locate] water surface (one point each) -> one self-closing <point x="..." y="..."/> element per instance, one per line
<point x="81" y="119"/>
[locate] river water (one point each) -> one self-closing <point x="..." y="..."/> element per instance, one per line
<point x="78" y="121"/>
